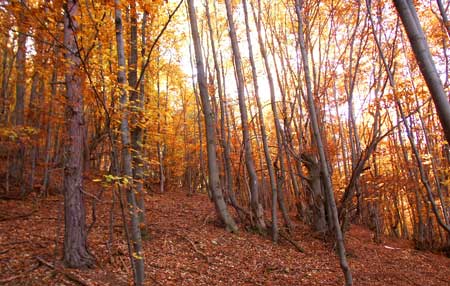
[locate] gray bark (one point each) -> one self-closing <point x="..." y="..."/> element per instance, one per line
<point x="408" y="15"/>
<point x="127" y="173"/>
<point x="213" y="168"/>
<point x="423" y="175"/>
<point x="223" y="137"/>
<point x="323" y="160"/>
<point x="137" y="106"/>
<point x="256" y="206"/>
<point x="270" y="168"/>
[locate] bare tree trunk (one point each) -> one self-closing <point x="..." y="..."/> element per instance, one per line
<point x="6" y="67"/>
<point x="214" y="180"/>
<point x="223" y="137"/>
<point x="19" y="109"/>
<point x="323" y="160"/>
<point x="34" y="121"/>
<point x="270" y="168"/>
<point x="48" y="139"/>
<point x="445" y="20"/>
<point x="408" y="15"/>
<point x="159" y="148"/>
<point x="202" y="174"/>
<point x="127" y="177"/>
<point x="137" y="104"/>
<point x="76" y="253"/>
<point x="256" y="206"/>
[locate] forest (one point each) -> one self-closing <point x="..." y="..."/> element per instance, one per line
<point x="224" y="142"/>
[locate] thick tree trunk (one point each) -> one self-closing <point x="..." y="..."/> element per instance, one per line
<point x="316" y="196"/>
<point x="408" y="15"/>
<point x="76" y="253"/>
<point x="214" y="180"/>
<point x="127" y="174"/>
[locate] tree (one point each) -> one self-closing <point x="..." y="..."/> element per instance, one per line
<point x="320" y="148"/>
<point x="137" y="105"/>
<point x="19" y="108"/>
<point x="127" y="172"/>
<point x="411" y="23"/>
<point x="270" y="167"/>
<point x="213" y="168"/>
<point x="256" y="206"/>
<point x="76" y="253"/>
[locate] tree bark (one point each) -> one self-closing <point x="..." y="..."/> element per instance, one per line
<point x="256" y="206"/>
<point x="76" y="253"/>
<point x="127" y="174"/>
<point x="408" y="15"/>
<point x="213" y="168"/>
<point x="223" y="137"/>
<point x="136" y="105"/>
<point x="270" y="167"/>
<point x="323" y="160"/>
<point x="19" y="108"/>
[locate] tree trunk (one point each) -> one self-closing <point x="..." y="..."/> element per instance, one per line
<point x="223" y="112"/>
<point x="76" y="253"/>
<point x="256" y="206"/>
<point x="48" y="139"/>
<point x="270" y="167"/>
<point x="408" y="15"/>
<point x="323" y="160"/>
<point x="127" y="174"/>
<point x="136" y="105"/>
<point x="214" y="180"/>
<point x="19" y="108"/>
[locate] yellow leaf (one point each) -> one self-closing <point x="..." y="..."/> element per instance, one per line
<point x="137" y="256"/>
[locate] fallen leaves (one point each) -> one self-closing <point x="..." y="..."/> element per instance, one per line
<point x="184" y="248"/>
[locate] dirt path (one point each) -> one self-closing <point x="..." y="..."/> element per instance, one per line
<point x="187" y="247"/>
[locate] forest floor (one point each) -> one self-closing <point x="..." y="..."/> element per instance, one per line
<point x="187" y="247"/>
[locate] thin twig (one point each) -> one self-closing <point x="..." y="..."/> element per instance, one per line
<point x="291" y="241"/>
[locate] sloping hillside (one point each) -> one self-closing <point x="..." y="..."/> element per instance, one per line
<point x="186" y="247"/>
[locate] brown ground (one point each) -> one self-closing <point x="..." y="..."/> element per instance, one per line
<point x="186" y="247"/>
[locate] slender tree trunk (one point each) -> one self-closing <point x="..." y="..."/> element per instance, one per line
<point x="270" y="167"/>
<point x="202" y="174"/>
<point x="256" y="206"/>
<point x="76" y="253"/>
<point x="214" y="180"/>
<point x="223" y="137"/>
<point x="323" y="160"/>
<point x="159" y="148"/>
<point x="136" y="104"/>
<point x="48" y="139"/>
<point x="19" y="108"/>
<point x="33" y="117"/>
<point x="127" y="174"/>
